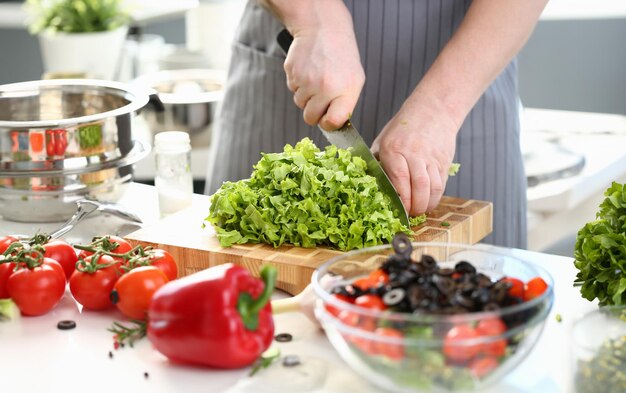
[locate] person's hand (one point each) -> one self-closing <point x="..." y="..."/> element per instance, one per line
<point x="416" y="149"/>
<point x="325" y="74"/>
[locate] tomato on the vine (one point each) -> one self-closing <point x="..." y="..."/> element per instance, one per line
<point x="122" y="246"/>
<point x="6" y="269"/>
<point x="164" y="261"/>
<point x="133" y="291"/>
<point x="93" y="289"/>
<point x="5" y="242"/>
<point x="37" y="290"/>
<point x="63" y="253"/>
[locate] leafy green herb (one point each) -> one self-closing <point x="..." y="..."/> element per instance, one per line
<point x="305" y="197"/>
<point x="600" y="251"/>
<point x="267" y="358"/>
<point x="71" y="16"/>
<point x="417" y="220"/>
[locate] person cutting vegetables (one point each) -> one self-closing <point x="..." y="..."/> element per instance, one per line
<point x="425" y="82"/>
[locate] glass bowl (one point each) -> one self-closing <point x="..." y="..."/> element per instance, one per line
<point x="422" y="356"/>
<point x="599" y="351"/>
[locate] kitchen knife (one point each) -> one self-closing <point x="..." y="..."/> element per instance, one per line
<point x="347" y="137"/>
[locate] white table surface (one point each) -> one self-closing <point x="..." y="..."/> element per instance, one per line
<point x="36" y="356"/>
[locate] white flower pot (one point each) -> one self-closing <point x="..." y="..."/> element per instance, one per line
<point x="94" y="54"/>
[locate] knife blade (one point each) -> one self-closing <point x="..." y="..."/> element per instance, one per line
<point x="347" y="137"/>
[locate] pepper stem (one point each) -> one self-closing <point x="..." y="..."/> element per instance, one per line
<point x="248" y="307"/>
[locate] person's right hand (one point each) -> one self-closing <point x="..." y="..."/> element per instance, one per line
<point x="325" y="74"/>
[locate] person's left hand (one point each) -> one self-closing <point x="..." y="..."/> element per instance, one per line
<point x="416" y="149"/>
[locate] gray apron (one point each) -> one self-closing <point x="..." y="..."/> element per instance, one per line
<point x="398" y="41"/>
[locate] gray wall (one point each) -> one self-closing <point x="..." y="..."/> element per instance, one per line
<point x="575" y="65"/>
<point x="571" y="65"/>
<point x="20" y="59"/>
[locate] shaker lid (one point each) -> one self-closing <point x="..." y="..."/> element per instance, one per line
<point x="172" y="141"/>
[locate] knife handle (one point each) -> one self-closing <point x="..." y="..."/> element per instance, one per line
<point x="284" y="39"/>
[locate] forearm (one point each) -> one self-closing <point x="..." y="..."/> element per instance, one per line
<point x="491" y="34"/>
<point x="302" y="15"/>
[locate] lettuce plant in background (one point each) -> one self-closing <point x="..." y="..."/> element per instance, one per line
<point x="75" y="16"/>
<point x="600" y="251"/>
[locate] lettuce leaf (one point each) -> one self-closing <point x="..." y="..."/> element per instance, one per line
<point x="600" y="251"/>
<point x="305" y="197"/>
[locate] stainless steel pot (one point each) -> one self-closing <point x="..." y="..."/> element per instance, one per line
<point x="190" y="98"/>
<point x="63" y="140"/>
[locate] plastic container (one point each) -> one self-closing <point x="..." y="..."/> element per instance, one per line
<point x="173" y="180"/>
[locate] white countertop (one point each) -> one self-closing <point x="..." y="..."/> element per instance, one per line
<point x="35" y="356"/>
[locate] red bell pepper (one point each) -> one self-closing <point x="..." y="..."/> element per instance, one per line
<point x="219" y="317"/>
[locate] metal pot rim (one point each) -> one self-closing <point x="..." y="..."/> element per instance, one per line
<point x="139" y="99"/>
<point x="76" y="165"/>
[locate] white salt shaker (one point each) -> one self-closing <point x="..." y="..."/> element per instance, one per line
<point x="173" y="180"/>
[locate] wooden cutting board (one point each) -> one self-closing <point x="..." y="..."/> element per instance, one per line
<point x="195" y="248"/>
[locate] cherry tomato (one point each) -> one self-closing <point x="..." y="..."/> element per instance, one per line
<point x="50" y="143"/>
<point x="334" y="310"/>
<point x="379" y="276"/>
<point x="534" y="288"/>
<point x="454" y="347"/>
<point x="482" y="366"/>
<point x="370" y="301"/>
<point x="93" y="290"/>
<point x="36" y="291"/>
<point x="163" y="260"/>
<point x="517" y="287"/>
<point x="60" y="141"/>
<point x="6" y="269"/>
<point x="392" y="351"/>
<point x="133" y="291"/>
<point x="364" y="283"/>
<point x="492" y="327"/>
<point x="63" y="253"/>
<point x="5" y="242"/>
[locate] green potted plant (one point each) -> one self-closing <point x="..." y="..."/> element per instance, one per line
<point x="84" y="37"/>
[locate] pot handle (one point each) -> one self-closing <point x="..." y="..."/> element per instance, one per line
<point x="155" y="102"/>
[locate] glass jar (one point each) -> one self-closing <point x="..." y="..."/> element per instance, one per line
<point x="599" y="351"/>
<point x="173" y="180"/>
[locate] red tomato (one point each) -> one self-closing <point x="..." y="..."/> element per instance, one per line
<point x="517" y="287"/>
<point x="534" y="288"/>
<point x="491" y="328"/>
<point x="63" y="253"/>
<point x="378" y="276"/>
<point x="60" y="141"/>
<point x="6" y="269"/>
<point x="133" y="291"/>
<point x="122" y="247"/>
<point x="364" y="283"/>
<point x="50" y="143"/>
<point x="36" y="291"/>
<point x="334" y="310"/>
<point x="5" y="242"/>
<point x="55" y="265"/>
<point x="164" y="261"/>
<point x="370" y="301"/>
<point x="482" y="366"/>
<point x="454" y="346"/>
<point x="392" y="351"/>
<point x="93" y="290"/>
